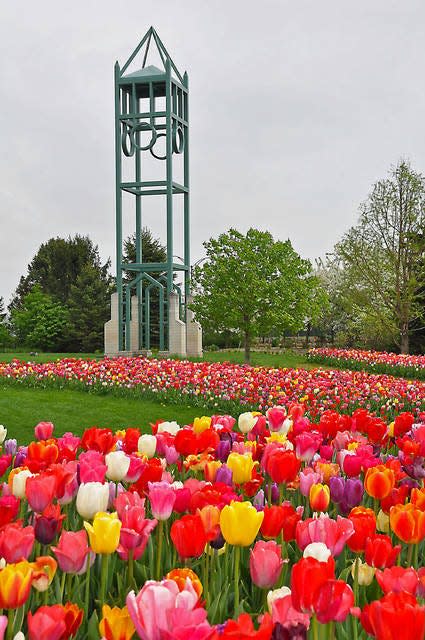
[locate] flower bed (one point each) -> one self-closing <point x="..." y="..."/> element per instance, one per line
<point x="269" y="527"/>
<point x="225" y="387"/>
<point x="410" y="366"/>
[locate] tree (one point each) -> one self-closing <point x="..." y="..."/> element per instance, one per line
<point x="381" y="256"/>
<point x="89" y="306"/>
<point x="70" y="272"/>
<point x="4" y="329"/>
<point x="252" y="285"/>
<point x="57" y="265"/>
<point x="40" y="321"/>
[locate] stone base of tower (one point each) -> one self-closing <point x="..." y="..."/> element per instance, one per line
<point x="185" y="339"/>
<point x="193" y="335"/>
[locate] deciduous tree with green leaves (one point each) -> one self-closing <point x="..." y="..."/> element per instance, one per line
<point x="382" y="257"/>
<point x="253" y="285"/>
<point x="40" y="321"/>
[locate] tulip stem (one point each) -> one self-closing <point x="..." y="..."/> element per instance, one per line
<point x="103" y="578"/>
<point x="237" y="562"/>
<point x="315" y="628"/>
<point x="409" y="555"/>
<point x="10" y="623"/>
<point x="87" y="593"/>
<point x="281" y="492"/>
<point x="332" y="630"/>
<point x="159" y="550"/>
<point x="130" y="567"/>
<point x="63" y="585"/>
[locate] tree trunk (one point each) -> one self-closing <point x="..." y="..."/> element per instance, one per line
<point x="404" y="345"/>
<point x="247" y="346"/>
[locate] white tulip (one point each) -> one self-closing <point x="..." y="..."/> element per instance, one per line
<point x="118" y="464"/>
<point x="246" y="422"/>
<point x="91" y="498"/>
<point x="277" y="594"/>
<point x="3" y="433"/>
<point x="317" y="550"/>
<point x="19" y="636"/>
<point x="169" y="427"/>
<point x="19" y="482"/>
<point x="147" y="445"/>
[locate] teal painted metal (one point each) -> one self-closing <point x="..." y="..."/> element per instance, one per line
<point x="137" y="132"/>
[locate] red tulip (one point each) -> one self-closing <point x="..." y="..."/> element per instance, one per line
<point x="397" y="579"/>
<point x="396" y="616"/>
<point x="102" y="440"/>
<point x="188" y="536"/>
<point x="308" y="575"/>
<point x="333" y="601"/>
<point x="48" y="524"/>
<point x="379" y="551"/>
<point x="9" y="507"/>
<point x="364" y="522"/>
<point x="243" y="628"/>
<point x="283" y="466"/>
<point x="273" y="520"/>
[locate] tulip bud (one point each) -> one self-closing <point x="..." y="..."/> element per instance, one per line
<point x="383" y="522"/>
<point x="168" y="427"/>
<point x="19" y="482"/>
<point x="3" y="433"/>
<point x="246" y="422"/>
<point x="317" y="550"/>
<point x="147" y="445"/>
<point x="277" y="594"/>
<point x="365" y="573"/>
<point x="91" y="498"/>
<point x="118" y="463"/>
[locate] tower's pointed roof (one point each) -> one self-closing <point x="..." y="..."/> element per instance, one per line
<point x="143" y="48"/>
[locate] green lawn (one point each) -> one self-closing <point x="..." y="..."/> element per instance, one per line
<point x="286" y="359"/>
<point x="22" y="408"/>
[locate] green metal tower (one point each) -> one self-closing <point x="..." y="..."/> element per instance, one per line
<point x="150" y="103"/>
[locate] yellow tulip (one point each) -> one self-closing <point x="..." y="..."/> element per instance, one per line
<point x="116" y="624"/>
<point x="201" y="424"/>
<point x="241" y="466"/>
<point x="104" y="534"/>
<point x="240" y="523"/>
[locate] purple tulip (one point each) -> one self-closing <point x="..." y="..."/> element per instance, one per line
<point x="337" y="486"/>
<point x="10" y="446"/>
<point x="224" y="474"/>
<point x="223" y="450"/>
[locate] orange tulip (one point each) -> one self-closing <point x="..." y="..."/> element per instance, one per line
<point x="408" y="522"/>
<point x="210" y="516"/>
<point x="379" y="481"/>
<point x="44" y="569"/>
<point x="15" y="584"/>
<point x="180" y="576"/>
<point x="210" y="470"/>
<point x="320" y="496"/>
<point x="116" y="624"/>
<point x="417" y="497"/>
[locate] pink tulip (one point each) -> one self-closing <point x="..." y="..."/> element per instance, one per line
<point x="137" y="465"/>
<point x="92" y="467"/>
<point x="308" y="477"/>
<point x="265" y="563"/>
<point x="306" y="445"/>
<point x="126" y="500"/>
<point x="283" y="611"/>
<point x="333" y="533"/>
<point x="3" y="625"/>
<point x="276" y="416"/>
<point x="44" y="430"/>
<point x="161" y="612"/>
<point x="72" y="550"/>
<point x="397" y="579"/>
<point x="162" y="498"/>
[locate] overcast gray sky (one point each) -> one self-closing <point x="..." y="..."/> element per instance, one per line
<point x="297" y="107"/>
